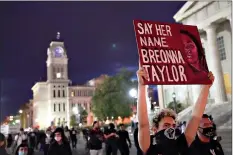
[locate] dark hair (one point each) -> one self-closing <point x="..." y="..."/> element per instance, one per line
<point x="61" y="131"/>
<point x="200" y="50"/>
<point x="21" y="129"/>
<point x="21" y="145"/>
<point x="112" y="126"/>
<point x="121" y="124"/>
<point x="94" y="123"/>
<point x="163" y="113"/>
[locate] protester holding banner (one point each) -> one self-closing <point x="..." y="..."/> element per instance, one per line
<point x="165" y="143"/>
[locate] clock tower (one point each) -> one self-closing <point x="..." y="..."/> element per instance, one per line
<point x="57" y="61"/>
<point x="58" y="82"/>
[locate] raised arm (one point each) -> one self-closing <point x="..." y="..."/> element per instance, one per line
<point x="198" y="110"/>
<point x="143" y="122"/>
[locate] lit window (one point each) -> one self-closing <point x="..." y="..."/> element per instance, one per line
<point x="221" y="48"/>
<point x="58" y="75"/>
<point x="72" y="94"/>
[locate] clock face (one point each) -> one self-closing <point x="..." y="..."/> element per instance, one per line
<point x="58" y="51"/>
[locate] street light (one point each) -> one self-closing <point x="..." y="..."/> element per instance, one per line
<point x="133" y="93"/>
<point x="174" y="100"/>
<point x="20" y="111"/>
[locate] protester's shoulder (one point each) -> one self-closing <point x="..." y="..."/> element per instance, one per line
<point x="182" y="142"/>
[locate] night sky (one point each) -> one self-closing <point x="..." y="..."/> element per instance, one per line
<point x="99" y="38"/>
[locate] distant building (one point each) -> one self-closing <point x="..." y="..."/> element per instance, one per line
<point x="55" y="100"/>
<point x="213" y="19"/>
<point x="26" y="117"/>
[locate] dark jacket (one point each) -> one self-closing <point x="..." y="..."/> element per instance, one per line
<point x="56" y="149"/>
<point x="95" y="140"/>
<point x="3" y="151"/>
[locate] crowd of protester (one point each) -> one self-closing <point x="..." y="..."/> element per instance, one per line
<point x="166" y="137"/>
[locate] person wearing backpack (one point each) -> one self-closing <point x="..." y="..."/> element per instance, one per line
<point x="20" y="138"/>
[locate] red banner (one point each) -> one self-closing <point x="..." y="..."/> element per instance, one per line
<point x="171" y="53"/>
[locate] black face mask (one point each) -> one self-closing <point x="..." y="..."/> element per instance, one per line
<point x="207" y="132"/>
<point x="165" y="136"/>
<point x="166" y="139"/>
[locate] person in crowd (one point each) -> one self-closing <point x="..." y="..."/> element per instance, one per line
<point x="9" y="140"/>
<point x="3" y="145"/>
<point x="22" y="149"/>
<point x="36" y="131"/>
<point x="111" y="140"/>
<point x="42" y="140"/>
<point x="204" y="143"/>
<point x="60" y="145"/>
<point x="20" y="138"/>
<point x="165" y="142"/>
<point x="31" y="142"/>
<point x="67" y="133"/>
<point x="73" y="137"/>
<point x="95" y="139"/>
<point x="48" y="140"/>
<point x="135" y="135"/>
<point x="122" y="140"/>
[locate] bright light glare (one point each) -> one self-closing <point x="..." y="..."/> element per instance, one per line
<point x="75" y="110"/>
<point x="58" y="75"/>
<point x="133" y="93"/>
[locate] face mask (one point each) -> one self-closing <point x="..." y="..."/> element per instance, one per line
<point x="22" y="153"/>
<point x="207" y="132"/>
<point x="57" y="139"/>
<point x="166" y="138"/>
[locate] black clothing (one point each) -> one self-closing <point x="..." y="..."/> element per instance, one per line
<point x="173" y="147"/>
<point x="124" y="149"/>
<point x="3" y="151"/>
<point x="56" y="149"/>
<point x="111" y="142"/>
<point x="200" y="148"/>
<point x="95" y="140"/>
<point x="46" y="148"/>
<point x="123" y="136"/>
<point x="9" y="141"/>
<point x="122" y="142"/>
<point x="73" y="136"/>
<point x="135" y="135"/>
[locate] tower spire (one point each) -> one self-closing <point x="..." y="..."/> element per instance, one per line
<point x="58" y="35"/>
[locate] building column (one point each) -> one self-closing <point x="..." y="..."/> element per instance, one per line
<point x="229" y="18"/>
<point x="160" y="96"/>
<point x="215" y="65"/>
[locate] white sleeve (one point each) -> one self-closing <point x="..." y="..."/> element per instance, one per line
<point x="16" y="137"/>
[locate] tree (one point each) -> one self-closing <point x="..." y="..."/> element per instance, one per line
<point x="83" y="116"/>
<point x="111" y="99"/>
<point x="179" y="106"/>
<point x="73" y="120"/>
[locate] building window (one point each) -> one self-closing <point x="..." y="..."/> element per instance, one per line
<point x="54" y="107"/>
<point x="54" y="93"/>
<point x="58" y="93"/>
<point x="221" y="48"/>
<point x="64" y="107"/>
<point x="63" y="93"/>
<point x="59" y="107"/>
<point x="72" y="94"/>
